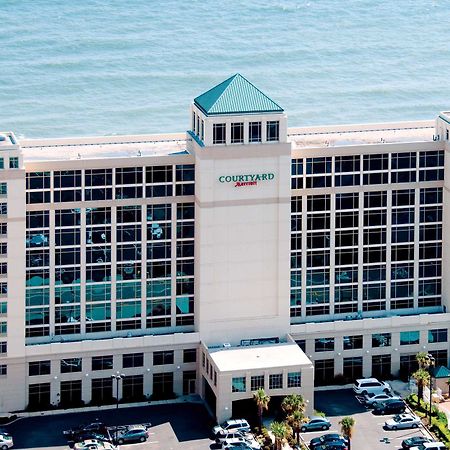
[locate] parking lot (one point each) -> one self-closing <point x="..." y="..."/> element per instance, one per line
<point x="368" y="431"/>
<point x="187" y="426"/>
<point x="174" y="427"/>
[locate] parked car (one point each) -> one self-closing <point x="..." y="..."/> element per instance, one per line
<point x="135" y="433"/>
<point x="93" y="444"/>
<point x="86" y="435"/>
<point x="221" y="437"/>
<point x="6" y="441"/>
<point x="241" y="442"/>
<point x="414" y="441"/>
<point x="430" y="446"/>
<point x="336" y="445"/>
<point x="95" y="427"/>
<point x="372" y="398"/>
<point x="316" y="423"/>
<point x="326" y="439"/>
<point x="364" y="386"/>
<point x="401" y="421"/>
<point x="390" y="407"/>
<point x="232" y="425"/>
<point x="236" y="446"/>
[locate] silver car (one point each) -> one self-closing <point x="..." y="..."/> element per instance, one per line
<point x="401" y="421"/>
<point x="316" y="423"/>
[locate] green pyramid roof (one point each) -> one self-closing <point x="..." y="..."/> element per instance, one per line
<point x="441" y="372"/>
<point x="236" y="95"/>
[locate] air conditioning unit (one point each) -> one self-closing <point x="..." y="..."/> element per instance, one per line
<point x="226" y="345"/>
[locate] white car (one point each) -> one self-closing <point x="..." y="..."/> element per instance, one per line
<point x="6" y="441"/>
<point x="94" y="444"/>
<point x="371" y="399"/>
<point x="401" y="421"/>
<point x="230" y="426"/>
<point x="241" y="442"/>
<point x="365" y="386"/>
<point x="222" y="437"/>
<point x="430" y="446"/>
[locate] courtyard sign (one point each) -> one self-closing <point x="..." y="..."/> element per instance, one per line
<point x="247" y="179"/>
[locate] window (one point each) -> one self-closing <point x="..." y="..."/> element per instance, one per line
<point x="162" y="386"/>
<point x="237" y="133"/>
<point x="324" y="344"/>
<point x="71" y="393"/>
<point x="254" y="132"/>
<point x="13" y="163"/>
<point x="3" y="369"/>
<point x="2" y="163"/>
<point x="133" y="360"/>
<point x="352" y="368"/>
<point x="381" y="340"/>
<point x="3" y="188"/>
<point x="238" y="384"/>
<point x="409" y="337"/>
<point x="438" y="335"/>
<point x="219" y="133"/>
<point x="257" y="382"/>
<point x="3" y="348"/>
<point x="102" y="362"/>
<point x="353" y="342"/>
<point x="39" y="396"/>
<point x="101" y="390"/>
<point x="71" y="365"/>
<point x="164" y="357"/>
<point x="276" y="381"/>
<point x="189" y="355"/>
<point x="294" y="379"/>
<point x="273" y="131"/>
<point x="323" y="371"/>
<point x="39" y="368"/>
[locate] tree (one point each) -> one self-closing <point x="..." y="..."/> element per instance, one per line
<point x="281" y="432"/>
<point x="295" y="420"/>
<point x="422" y="378"/>
<point x="423" y="360"/>
<point x="347" y="424"/>
<point x="262" y="402"/>
<point x="293" y="402"/>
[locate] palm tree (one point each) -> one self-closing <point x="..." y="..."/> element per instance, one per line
<point x="295" y="420"/>
<point x="347" y="424"/>
<point x="281" y="432"/>
<point x="423" y="360"/>
<point x="293" y="402"/>
<point x="262" y="402"/>
<point x="422" y="378"/>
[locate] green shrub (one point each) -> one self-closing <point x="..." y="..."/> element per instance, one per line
<point x="319" y="413"/>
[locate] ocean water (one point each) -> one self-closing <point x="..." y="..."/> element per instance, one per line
<point x="93" y="67"/>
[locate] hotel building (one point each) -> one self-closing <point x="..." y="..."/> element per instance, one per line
<point x="242" y="254"/>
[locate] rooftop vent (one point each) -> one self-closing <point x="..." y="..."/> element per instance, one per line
<point x="3" y="139"/>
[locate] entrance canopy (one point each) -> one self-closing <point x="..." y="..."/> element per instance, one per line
<point x="256" y="357"/>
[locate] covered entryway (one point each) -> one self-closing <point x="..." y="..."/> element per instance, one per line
<point x="234" y="373"/>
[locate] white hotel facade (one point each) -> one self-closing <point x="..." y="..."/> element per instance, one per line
<point x="243" y="254"/>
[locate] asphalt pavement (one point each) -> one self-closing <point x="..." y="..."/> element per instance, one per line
<point x="368" y="431"/>
<point x="174" y="426"/>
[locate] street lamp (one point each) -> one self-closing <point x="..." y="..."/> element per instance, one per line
<point x="117" y="377"/>
<point x="431" y="362"/>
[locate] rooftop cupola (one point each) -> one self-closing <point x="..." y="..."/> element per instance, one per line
<point x="237" y="112"/>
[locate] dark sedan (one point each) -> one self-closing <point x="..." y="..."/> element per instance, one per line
<point x="326" y="439"/>
<point x="414" y="441"/>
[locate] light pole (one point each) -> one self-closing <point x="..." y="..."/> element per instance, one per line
<point x="431" y="362"/>
<point x="117" y="377"/>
